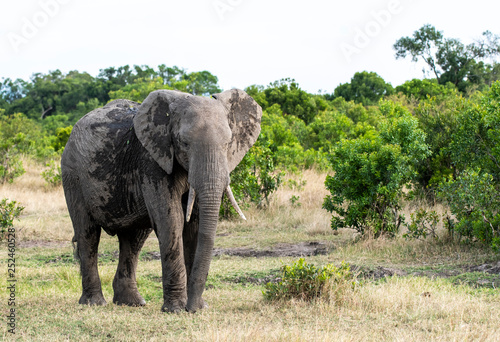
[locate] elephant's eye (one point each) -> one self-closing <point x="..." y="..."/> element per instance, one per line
<point x="183" y="145"/>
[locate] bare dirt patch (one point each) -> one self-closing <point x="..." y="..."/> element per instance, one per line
<point x="279" y="250"/>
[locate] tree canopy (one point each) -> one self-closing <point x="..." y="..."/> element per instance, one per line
<point x="365" y="87"/>
<point x="448" y="59"/>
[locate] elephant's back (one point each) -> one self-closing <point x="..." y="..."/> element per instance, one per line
<point x="100" y="132"/>
<point x="99" y="165"/>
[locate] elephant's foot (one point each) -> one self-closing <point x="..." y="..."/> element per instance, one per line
<point x="95" y="299"/>
<point x="174" y="306"/>
<point x="193" y="306"/>
<point x="130" y="299"/>
<point x="127" y="294"/>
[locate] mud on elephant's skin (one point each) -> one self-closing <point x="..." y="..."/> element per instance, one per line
<point x="160" y="166"/>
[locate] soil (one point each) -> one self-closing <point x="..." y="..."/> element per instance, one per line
<point x="485" y="275"/>
<point x="279" y="250"/>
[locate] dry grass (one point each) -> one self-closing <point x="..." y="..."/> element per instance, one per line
<point x="396" y="309"/>
<point x="400" y="309"/>
<point x="45" y="216"/>
<point x="283" y="221"/>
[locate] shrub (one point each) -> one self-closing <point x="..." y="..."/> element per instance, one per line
<point x="61" y="138"/>
<point x="306" y="281"/>
<point x="10" y="162"/>
<point x="476" y="141"/>
<point x="52" y="175"/>
<point x="253" y="180"/>
<point x="474" y="199"/>
<point x="9" y="211"/>
<point x="366" y="190"/>
<point x="422" y="224"/>
<point x="26" y="134"/>
<point x="473" y="196"/>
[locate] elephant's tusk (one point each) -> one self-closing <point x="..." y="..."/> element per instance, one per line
<point x="189" y="209"/>
<point x="230" y="195"/>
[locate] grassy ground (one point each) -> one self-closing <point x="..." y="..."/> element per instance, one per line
<point x="438" y="295"/>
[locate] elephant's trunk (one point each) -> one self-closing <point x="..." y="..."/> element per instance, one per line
<point x="208" y="204"/>
<point x="208" y="179"/>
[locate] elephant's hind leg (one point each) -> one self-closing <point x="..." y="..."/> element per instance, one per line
<point x="87" y="236"/>
<point x="87" y="246"/>
<point x="125" y="284"/>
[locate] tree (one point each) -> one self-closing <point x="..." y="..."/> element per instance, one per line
<point x="366" y="88"/>
<point x="366" y="189"/>
<point x="293" y="100"/>
<point x="475" y="150"/>
<point x="447" y="58"/>
<point x="421" y="89"/>
<point x="201" y="83"/>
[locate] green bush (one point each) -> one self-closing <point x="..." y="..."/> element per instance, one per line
<point x="52" y="175"/>
<point x="476" y="141"/>
<point x="10" y="162"/>
<point x="27" y="136"/>
<point x="473" y="195"/>
<point x="474" y="200"/>
<point x="423" y="89"/>
<point x="9" y="211"/>
<point x="306" y="281"/>
<point x="422" y="224"/>
<point x="61" y="138"/>
<point x="366" y="190"/>
<point x="253" y="180"/>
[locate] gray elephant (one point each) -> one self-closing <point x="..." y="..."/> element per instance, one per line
<point x="131" y="169"/>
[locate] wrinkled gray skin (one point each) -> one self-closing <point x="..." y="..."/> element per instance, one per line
<point x="127" y="168"/>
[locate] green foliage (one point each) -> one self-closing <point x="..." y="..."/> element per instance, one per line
<point x="291" y="99"/>
<point x="328" y="128"/>
<point x="294" y="201"/>
<point x="356" y="111"/>
<point x="448" y="59"/>
<point x="9" y="211"/>
<point x="10" y="162"/>
<point x="422" y="224"/>
<point x="366" y="88"/>
<point x="366" y="189"/>
<point x="282" y="136"/>
<point x="27" y="135"/>
<point x="296" y="185"/>
<point x="306" y="281"/>
<point x="474" y="200"/>
<point x="61" y="138"/>
<point x="253" y="180"/>
<point x="438" y="119"/>
<point x="423" y="89"/>
<point x="52" y="175"/>
<point x="476" y="142"/>
<point x="138" y="90"/>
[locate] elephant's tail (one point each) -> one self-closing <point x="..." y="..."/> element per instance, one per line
<point x="76" y="252"/>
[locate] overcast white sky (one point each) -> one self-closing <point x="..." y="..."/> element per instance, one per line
<point x="319" y="43"/>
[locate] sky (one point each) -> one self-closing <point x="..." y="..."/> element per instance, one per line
<point x="319" y="43"/>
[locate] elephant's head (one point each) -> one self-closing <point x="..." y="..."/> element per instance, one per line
<point x="208" y="137"/>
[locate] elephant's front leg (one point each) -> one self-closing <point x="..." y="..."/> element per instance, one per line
<point x="168" y="225"/>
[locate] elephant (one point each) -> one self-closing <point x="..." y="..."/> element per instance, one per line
<point x="163" y="166"/>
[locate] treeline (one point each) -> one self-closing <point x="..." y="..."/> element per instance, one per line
<point x="382" y="145"/>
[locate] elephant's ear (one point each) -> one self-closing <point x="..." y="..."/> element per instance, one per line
<point x="152" y="126"/>
<point x="244" y="120"/>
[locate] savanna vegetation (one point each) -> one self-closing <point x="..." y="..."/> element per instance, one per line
<point x="399" y="185"/>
